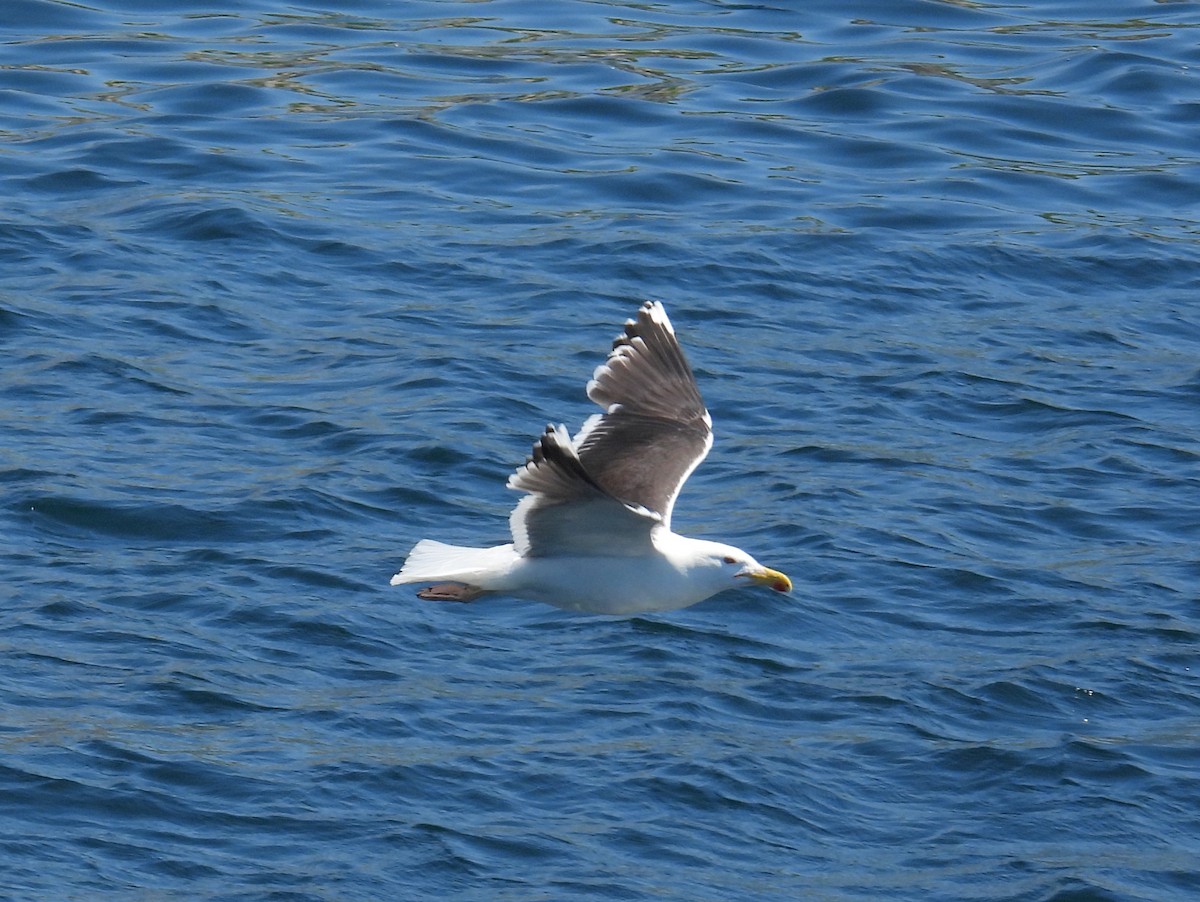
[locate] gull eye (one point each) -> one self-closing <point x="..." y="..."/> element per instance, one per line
<point x="730" y="559"/>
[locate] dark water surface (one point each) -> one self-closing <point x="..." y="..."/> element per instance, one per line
<point x="284" y="288"/>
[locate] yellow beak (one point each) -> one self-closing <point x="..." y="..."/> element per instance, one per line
<point x="764" y="576"/>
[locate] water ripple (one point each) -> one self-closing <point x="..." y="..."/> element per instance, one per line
<point x="286" y="289"/>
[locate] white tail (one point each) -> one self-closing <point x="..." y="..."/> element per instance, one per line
<point x="431" y="561"/>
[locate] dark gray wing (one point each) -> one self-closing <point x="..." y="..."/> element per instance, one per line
<point x="606" y="491"/>
<point x="567" y="512"/>
<point x="655" y="429"/>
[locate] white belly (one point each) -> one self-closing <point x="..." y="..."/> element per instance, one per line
<point x="606" y="585"/>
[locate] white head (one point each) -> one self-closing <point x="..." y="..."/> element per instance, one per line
<point x="722" y="566"/>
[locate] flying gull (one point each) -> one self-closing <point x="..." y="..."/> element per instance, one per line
<point x="594" y="531"/>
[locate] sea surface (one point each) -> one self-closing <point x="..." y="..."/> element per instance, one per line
<point x="285" y="287"/>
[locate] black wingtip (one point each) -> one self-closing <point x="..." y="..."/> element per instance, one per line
<point x="634" y="327"/>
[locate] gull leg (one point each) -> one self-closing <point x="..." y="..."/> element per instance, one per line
<point x="451" y="592"/>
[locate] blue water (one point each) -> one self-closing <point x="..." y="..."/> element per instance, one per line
<point x="285" y="288"/>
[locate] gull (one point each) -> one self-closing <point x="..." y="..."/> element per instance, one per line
<point x="593" y="532"/>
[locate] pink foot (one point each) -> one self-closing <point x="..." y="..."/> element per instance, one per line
<point x="451" y="592"/>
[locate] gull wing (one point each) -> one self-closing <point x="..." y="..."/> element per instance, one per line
<point x="567" y="512"/>
<point x="606" y="491"/>
<point x="655" y="429"/>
